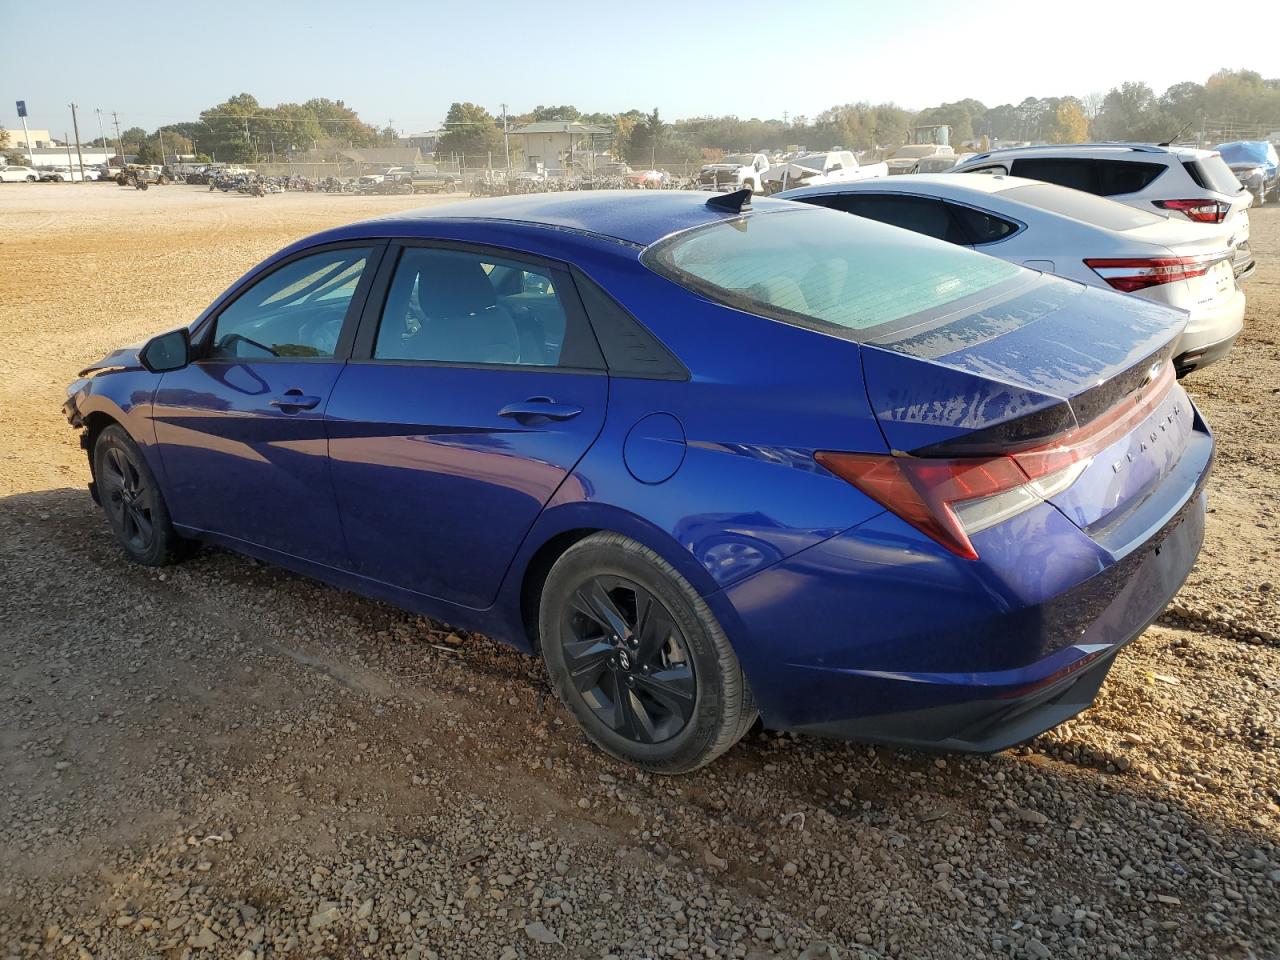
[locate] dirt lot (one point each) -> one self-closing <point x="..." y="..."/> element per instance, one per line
<point x="224" y="760"/>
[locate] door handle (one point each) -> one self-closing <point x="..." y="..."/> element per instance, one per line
<point x="295" y="400"/>
<point x="539" y="408"/>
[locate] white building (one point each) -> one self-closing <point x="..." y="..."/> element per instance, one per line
<point x="557" y="146"/>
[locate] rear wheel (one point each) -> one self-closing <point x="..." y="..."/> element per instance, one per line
<point x="637" y="655"/>
<point x="132" y="500"/>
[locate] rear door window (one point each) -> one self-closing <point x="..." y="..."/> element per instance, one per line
<point x="458" y="306"/>
<point x="1075" y="173"/>
<point x="1106" y="178"/>
<point x="917" y="214"/>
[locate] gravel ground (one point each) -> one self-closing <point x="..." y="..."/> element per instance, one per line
<point x="224" y="760"/>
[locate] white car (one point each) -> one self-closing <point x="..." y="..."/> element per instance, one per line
<point x="1073" y="234"/>
<point x="1183" y="182"/>
<point x="63" y="174"/>
<point x="811" y="169"/>
<point x="734" y="172"/>
<point x="18" y="175"/>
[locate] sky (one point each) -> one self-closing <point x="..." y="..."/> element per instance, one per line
<point x="405" y="62"/>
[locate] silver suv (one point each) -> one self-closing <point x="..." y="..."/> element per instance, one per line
<point x="1182" y="182"/>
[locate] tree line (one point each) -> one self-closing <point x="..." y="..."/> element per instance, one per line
<point x="242" y="130"/>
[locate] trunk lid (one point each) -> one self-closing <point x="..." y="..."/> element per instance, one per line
<point x="1043" y="366"/>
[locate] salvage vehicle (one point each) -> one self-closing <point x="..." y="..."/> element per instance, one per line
<point x="908" y="155"/>
<point x="734" y="172"/>
<point x="1184" y="183"/>
<point x="811" y="169"/>
<point x="709" y="458"/>
<point x="67" y="174"/>
<point x="1072" y="234"/>
<point x="434" y="181"/>
<point x="1256" y="165"/>
<point x="146" y="173"/>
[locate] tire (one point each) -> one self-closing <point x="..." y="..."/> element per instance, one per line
<point x="31" y="179"/>
<point x="132" y="501"/>
<point x="663" y="691"/>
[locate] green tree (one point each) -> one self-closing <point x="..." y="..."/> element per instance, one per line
<point x="647" y="140"/>
<point x="471" y="131"/>
<point x="148" y="152"/>
<point x="564" y="112"/>
<point x="1132" y="112"/>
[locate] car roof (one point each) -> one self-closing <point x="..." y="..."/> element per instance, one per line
<point x="1115" y="151"/>
<point x="638" y="217"/>
<point x="953" y="183"/>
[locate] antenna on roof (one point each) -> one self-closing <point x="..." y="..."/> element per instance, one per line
<point x="735" y="202"/>
<point x="1169" y="142"/>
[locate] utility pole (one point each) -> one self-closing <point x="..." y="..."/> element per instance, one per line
<point x="119" y="146"/>
<point x="101" y="135"/>
<point x="160" y="134"/>
<point x="75" y="125"/>
<point x="506" y="140"/>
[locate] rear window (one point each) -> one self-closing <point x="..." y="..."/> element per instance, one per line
<point x="825" y="270"/>
<point x="1107" y="178"/>
<point x="1079" y="205"/>
<point x="1212" y="173"/>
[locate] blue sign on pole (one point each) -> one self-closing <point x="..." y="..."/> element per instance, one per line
<point x="22" y="109"/>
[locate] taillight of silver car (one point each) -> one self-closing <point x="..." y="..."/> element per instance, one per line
<point x="1138" y="273"/>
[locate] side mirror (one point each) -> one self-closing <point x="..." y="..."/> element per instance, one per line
<point x="168" y="351"/>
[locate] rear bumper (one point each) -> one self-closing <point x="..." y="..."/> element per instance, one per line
<point x="1191" y="360"/>
<point x="876" y="635"/>
<point x="985" y="713"/>
<point x="1210" y="334"/>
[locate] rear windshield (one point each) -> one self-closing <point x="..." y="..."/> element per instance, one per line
<point x="1212" y="173"/>
<point x="1086" y="207"/>
<point x="825" y="270"/>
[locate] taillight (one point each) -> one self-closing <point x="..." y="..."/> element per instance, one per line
<point x="1138" y="273"/>
<point x="1201" y="211"/>
<point x="951" y="499"/>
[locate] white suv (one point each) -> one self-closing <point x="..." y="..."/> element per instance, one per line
<point x="1182" y="182"/>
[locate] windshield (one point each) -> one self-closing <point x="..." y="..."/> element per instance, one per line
<point x="1082" y="206"/>
<point x="742" y="159"/>
<point x="825" y="270"/>
<point x="812" y="161"/>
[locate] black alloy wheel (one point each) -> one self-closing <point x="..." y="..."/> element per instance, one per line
<point x="638" y="657"/>
<point x="127" y="498"/>
<point x="131" y="498"/>
<point x="628" y="659"/>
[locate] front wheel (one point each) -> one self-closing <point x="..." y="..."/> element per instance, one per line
<point x="639" y="658"/>
<point x="135" y="508"/>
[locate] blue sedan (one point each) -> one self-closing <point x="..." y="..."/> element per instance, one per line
<point x="712" y="459"/>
